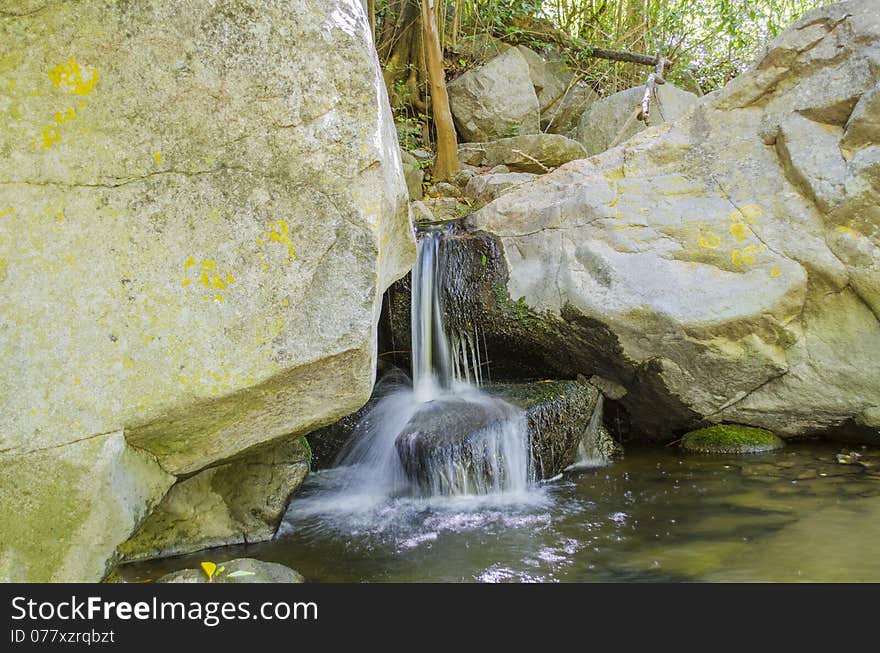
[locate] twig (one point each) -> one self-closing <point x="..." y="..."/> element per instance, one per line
<point x="532" y="159"/>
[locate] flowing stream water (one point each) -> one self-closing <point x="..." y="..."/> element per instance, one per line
<point x="475" y="512"/>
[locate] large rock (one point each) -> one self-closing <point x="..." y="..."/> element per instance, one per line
<point x="456" y="444"/>
<point x="613" y="118"/>
<point x="239" y="502"/>
<point x="180" y="187"/>
<point x="530" y="153"/>
<point x="495" y="100"/>
<point x="63" y="511"/>
<point x="718" y="267"/>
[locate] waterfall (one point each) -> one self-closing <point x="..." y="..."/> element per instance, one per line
<point x="430" y="348"/>
<point x="588" y="455"/>
<point x="443" y="435"/>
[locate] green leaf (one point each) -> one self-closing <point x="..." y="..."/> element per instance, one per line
<point x="240" y="573"/>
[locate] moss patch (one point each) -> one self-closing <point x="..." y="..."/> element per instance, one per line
<point x="731" y="438"/>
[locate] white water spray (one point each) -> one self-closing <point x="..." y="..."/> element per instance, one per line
<point x="443" y="436"/>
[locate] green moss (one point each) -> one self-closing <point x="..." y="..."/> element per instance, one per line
<point x="731" y="438"/>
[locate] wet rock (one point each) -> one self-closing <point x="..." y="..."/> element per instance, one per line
<point x="238" y="571"/>
<point x="454" y="443"/>
<point x="730" y="438"/>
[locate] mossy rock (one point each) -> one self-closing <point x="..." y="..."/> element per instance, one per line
<point x="731" y="438"/>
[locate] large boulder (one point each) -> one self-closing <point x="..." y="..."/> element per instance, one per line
<point x="563" y="115"/>
<point x="495" y="100"/>
<point x="239" y="502"/>
<point x="180" y="186"/>
<point x="612" y="119"/>
<point x="458" y="444"/>
<point x="717" y="267"/>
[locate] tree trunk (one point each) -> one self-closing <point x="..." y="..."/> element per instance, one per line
<point x="446" y="162"/>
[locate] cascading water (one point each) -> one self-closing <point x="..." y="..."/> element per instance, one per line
<point x="442" y="436"/>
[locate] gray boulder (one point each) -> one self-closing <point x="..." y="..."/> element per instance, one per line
<point x="530" y="153"/>
<point x="495" y="100"/>
<point x="612" y="117"/>
<point x="238" y="571"/>
<point x="175" y="216"/>
<point x="718" y="267"/>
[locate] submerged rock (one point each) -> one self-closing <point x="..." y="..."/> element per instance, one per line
<point x="176" y="212"/>
<point x="495" y="100"/>
<point x="238" y="571"/>
<point x="242" y="501"/>
<point x="731" y="438"/>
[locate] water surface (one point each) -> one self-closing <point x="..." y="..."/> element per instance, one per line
<point x="656" y="515"/>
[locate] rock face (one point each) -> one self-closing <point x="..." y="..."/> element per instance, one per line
<point x="495" y="100"/>
<point x="530" y="153"/>
<point x="196" y="229"/>
<point x="240" y="570"/>
<point x="614" y="115"/>
<point x="240" y="502"/>
<point x="725" y="268"/>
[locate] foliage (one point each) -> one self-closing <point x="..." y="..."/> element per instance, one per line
<point x="709" y="41"/>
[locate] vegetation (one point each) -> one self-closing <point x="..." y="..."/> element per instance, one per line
<point x="708" y="42"/>
<point x="731" y="438"/>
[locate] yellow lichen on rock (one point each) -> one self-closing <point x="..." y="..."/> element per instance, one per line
<point x="73" y="78"/>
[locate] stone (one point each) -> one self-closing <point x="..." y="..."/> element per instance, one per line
<point x="485" y="188"/>
<point x="63" y="511"/>
<point x="462" y="177"/>
<point x="443" y="189"/>
<point x="563" y="115"/>
<point x="709" y="265"/>
<point x="413" y="173"/>
<point x="473" y="154"/>
<point x="499" y="169"/>
<point x="731" y="439"/>
<point x="557" y="415"/>
<point x="175" y="280"/>
<point x="533" y="153"/>
<point x="613" y="117"/>
<point x="239" y="502"/>
<point x="239" y="570"/>
<point x="495" y="100"/>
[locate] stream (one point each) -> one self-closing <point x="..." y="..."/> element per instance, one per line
<point x="656" y="515"/>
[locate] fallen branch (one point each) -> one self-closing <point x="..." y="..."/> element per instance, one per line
<point x="654" y="79"/>
<point x="532" y="159"/>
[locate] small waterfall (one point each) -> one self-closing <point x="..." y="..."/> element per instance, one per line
<point x="443" y="436"/>
<point x="430" y="348"/>
<point x="588" y="454"/>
